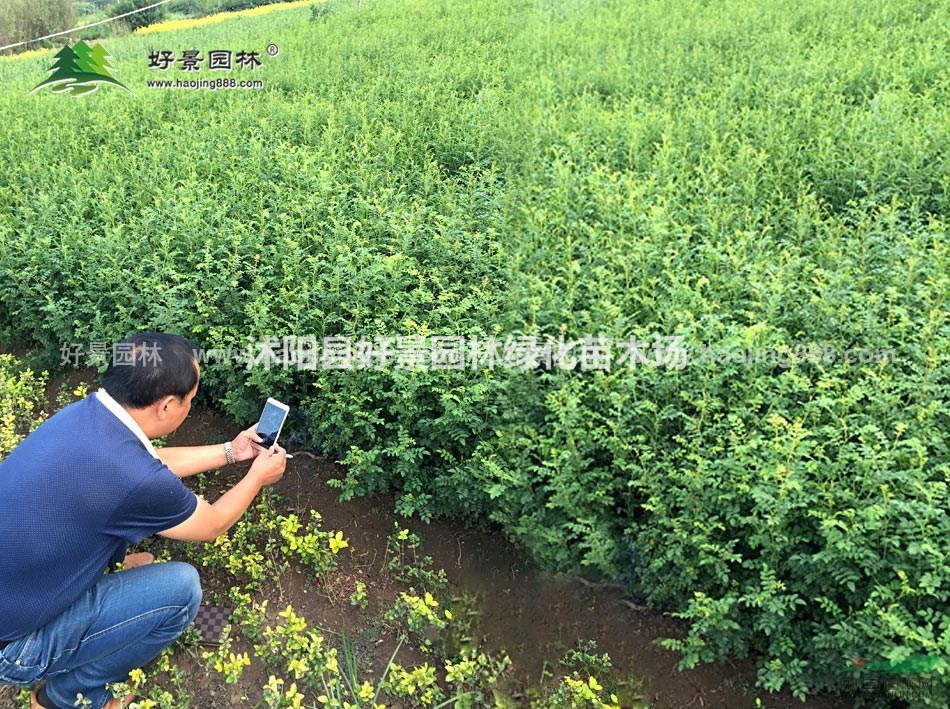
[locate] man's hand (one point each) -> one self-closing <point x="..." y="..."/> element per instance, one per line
<point x="269" y="466"/>
<point x="243" y="446"/>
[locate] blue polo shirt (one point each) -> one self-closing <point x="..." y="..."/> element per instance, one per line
<point x="72" y="494"/>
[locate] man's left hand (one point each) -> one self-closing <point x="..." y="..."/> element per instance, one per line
<point x="242" y="446"/>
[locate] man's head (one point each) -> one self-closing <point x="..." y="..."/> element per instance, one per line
<point x="154" y="375"/>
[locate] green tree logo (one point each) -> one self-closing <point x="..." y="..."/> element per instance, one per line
<point x="80" y="69"/>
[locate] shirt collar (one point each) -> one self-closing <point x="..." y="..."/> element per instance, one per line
<point x="116" y="408"/>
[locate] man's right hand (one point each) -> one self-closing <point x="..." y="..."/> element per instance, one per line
<point x="268" y="467"/>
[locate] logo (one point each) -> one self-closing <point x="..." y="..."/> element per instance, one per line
<point x="918" y="664"/>
<point x="80" y="69"/>
<point x="910" y="678"/>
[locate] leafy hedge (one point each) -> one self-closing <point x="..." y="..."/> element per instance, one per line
<point x="763" y="177"/>
<point x="138" y="19"/>
<point x="22" y="20"/>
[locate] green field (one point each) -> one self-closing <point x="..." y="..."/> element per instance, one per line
<point x="750" y="177"/>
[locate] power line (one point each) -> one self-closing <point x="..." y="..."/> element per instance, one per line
<point x="92" y="24"/>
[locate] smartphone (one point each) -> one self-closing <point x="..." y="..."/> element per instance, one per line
<point x="272" y="420"/>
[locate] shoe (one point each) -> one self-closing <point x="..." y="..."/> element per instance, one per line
<point x="114" y="703"/>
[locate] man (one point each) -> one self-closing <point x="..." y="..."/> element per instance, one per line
<point x="81" y="487"/>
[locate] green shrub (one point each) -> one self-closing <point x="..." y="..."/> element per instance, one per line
<point x="22" y="20"/>
<point x="22" y="396"/>
<point x="139" y="19"/>
<point x="195" y="8"/>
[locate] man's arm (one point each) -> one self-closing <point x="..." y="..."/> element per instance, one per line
<point x="185" y="461"/>
<point x="208" y="521"/>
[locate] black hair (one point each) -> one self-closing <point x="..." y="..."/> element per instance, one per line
<point x="148" y="366"/>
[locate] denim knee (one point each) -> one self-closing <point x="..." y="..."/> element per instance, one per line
<point x="186" y="583"/>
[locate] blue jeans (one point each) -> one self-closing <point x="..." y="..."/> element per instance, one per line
<point x="121" y="623"/>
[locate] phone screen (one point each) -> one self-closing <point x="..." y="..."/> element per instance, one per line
<point x="272" y="420"/>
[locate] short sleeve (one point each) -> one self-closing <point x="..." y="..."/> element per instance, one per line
<point x="159" y="502"/>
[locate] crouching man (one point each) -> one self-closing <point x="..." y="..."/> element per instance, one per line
<point x="75" y="493"/>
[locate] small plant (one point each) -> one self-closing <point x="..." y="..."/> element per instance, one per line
<point x="321" y="11"/>
<point x="276" y="696"/>
<point x="250" y="550"/>
<point x="475" y="676"/>
<point x="418" y="685"/>
<point x="578" y="693"/>
<point x="314" y="547"/>
<point x="405" y="563"/>
<point x="585" y="659"/>
<point x="225" y="662"/>
<point x="358" y="597"/>
<point x="421" y="616"/>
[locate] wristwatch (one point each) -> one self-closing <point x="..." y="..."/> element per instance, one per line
<point x="229" y="452"/>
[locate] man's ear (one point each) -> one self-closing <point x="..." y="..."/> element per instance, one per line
<point x="163" y="407"/>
